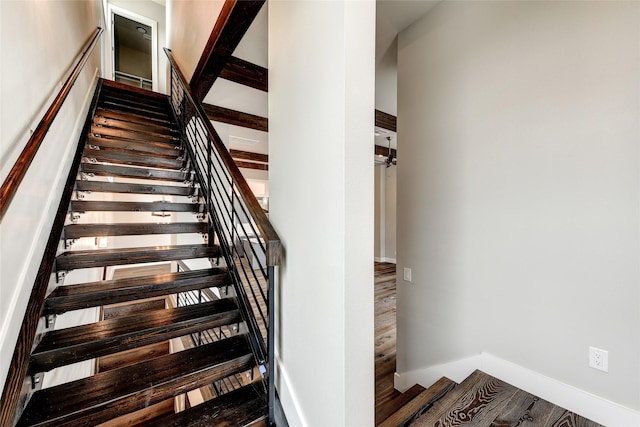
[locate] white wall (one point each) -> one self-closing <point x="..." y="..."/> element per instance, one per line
<point x="38" y="41"/>
<point x="385" y="213"/>
<point x="518" y="195"/>
<point x="321" y="91"/>
<point x="189" y="25"/>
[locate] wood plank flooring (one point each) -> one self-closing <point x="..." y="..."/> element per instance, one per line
<point x="385" y="337"/>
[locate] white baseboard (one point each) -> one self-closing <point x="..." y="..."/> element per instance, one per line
<point x="288" y="398"/>
<point x="586" y="404"/>
<point x="383" y="259"/>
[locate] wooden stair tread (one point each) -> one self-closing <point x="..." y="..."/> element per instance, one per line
<point x="75" y="231"/>
<point x="135" y="101"/>
<point x="111" y="86"/>
<point x="170" y="149"/>
<point x="96" y="399"/>
<point x="92" y="294"/>
<point x="159" y="103"/>
<point x="420" y="403"/>
<point x="397" y="402"/>
<point x="135" y="135"/>
<point x="115" y="104"/>
<point x="240" y="407"/>
<point x="108" y="206"/>
<point x="125" y="124"/>
<point x="71" y="260"/>
<point x="70" y="345"/>
<point x="118" y="187"/>
<point x="108" y="111"/>
<point x="99" y="169"/>
<point x="132" y="158"/>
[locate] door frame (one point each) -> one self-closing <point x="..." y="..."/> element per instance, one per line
<point x="110" y="42"/>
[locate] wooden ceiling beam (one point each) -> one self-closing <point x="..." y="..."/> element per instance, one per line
<point x="384" y="151"/>
<point x="251" y="165"/>
<point x="386" y="121"/>
<point x="248" y="155"/>
<point x="237" y="118"/>
<point x="246" y="73"/>
<point x="233" y="22"/>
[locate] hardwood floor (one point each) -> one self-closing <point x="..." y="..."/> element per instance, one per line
<point x="385" y="339"/>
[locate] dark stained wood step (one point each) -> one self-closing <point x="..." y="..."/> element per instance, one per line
<point x="126" y="108"/>
<point x="108" y="92"/>
<point x="134" y="151"/>
<point x="76" y="231"/>
<point x="117" y="187"/>
<point x="419" y="404"/>
<point x="112" y="86"/>
<point x="135" y="101"/>
<point x="93" y="400"/>
<point x="237" y="408"/>
<point x="72" y="260"/>
<point x="99" y="169"/>
<point x="105" y="292"/>
<point x="107" y="206"/>
<point x="171" y="150"/>
<point x="66" y="346"/>
<point x="120" y="123"/>
<point x="132" y="158"/>
<point x="135" y="135"/>
<point x="394" y="404"/>
<point x="106" y="111"/>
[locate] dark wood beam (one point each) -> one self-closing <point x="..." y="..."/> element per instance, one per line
<point x="384" y="151"/>
<point x="248" y="155"/>
<point x="238" y="118"/>
<point x="386" y="121"/>
<point x="245" y="73"/>
<point x="232" y="23"/>
<point x="251" y="165"/>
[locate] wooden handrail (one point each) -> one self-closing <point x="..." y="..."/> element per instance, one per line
<point x="18" y="171"/>
<point x="271" y="238"/>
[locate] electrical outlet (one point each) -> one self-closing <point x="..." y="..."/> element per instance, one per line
<point x="599" y="359"/>
<point x="407" y="274"/>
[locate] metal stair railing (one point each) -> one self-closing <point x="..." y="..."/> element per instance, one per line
<point x="250" y="245"/>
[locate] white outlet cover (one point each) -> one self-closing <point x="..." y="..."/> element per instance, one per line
<point x="407" y="274"/>
<point x="599" y="359"/>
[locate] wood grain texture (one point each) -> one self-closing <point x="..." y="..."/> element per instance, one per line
<point x="106" y="395"/>
<point x="76" y="231"/>
<point x="70" y="345"/>
<point x="132" y="158"/>
<point x="245" y="73"/>
<point x="237" y="118"/>
<point x="72" y="260"/>
<point x="116" y="187"/>
<point x="420" y="403"/>
<point x="385" y="120"/>
<point x="248" y="155"/>
<point x="98" y="169"/>
<point x="236" y="408"/>
<point x="251" y="165"/>
<point x="484" y="401"/>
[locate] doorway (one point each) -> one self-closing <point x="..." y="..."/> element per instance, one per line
<point x="133" y="51"/>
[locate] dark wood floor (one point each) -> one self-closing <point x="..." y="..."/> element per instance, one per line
<point x="385" y="330"/>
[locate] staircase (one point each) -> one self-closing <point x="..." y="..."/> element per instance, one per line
<point x="135" y="164"/>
